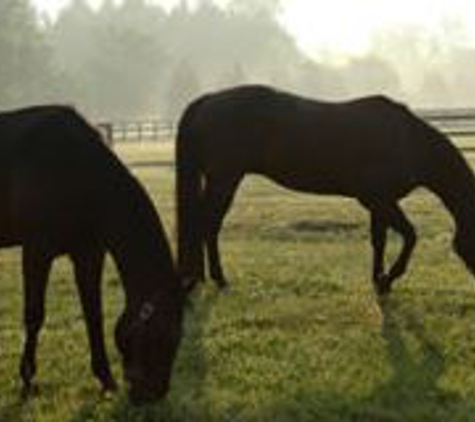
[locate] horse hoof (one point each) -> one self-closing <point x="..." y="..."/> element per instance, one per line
<point x="382" y="286"/>
<point x="29" y="391"/>
<point x="220" y="282"/>
<point x="107" y="394"/>
<point x="109" y="386"/>
<point x="225" y="289"/>
<point x="190" y="283"/>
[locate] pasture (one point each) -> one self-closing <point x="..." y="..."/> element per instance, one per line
<point x="301" y="336"/>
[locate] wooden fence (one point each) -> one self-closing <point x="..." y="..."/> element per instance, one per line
<point x="453" y="122"/>
<point x="137" y="131"/>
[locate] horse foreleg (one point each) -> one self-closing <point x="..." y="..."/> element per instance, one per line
<point x="36" y="265"/>
<point x="218" y="196"/>
<point x="378" y="242"/>
<point x="400" y="223"/>
<point x="88" y="265"/>
<point x="384" y="215"/>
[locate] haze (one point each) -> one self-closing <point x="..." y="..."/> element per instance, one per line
<point x="340" y="28"/>
<point x="150" y="57"/>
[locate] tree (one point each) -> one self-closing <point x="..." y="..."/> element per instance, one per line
<point x="458" y="71"/>
<point x="73" y="35"/>
<point x="371" y="75"/>
<point x="25" y="66"/>
<point x="267" y="9"/>
<point x="183" y="86"/>
<point x="235" y="75"/>
<point x="318" y="80"/>
<point x="113" y="57"/>
<point x="434" y="90"/>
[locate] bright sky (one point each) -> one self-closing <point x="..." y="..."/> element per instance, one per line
<point x="345" y="27"/>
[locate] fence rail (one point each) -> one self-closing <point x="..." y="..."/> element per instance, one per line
<point x="137" y="131"/>
<point x="453" y="122"/>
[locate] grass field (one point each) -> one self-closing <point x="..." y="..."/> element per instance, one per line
<point x="300" y="338"/>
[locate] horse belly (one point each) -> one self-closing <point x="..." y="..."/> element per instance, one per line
<point x="8" y="234"/>
<point x="342" y="172"/>
<point x="309" y="167"/>
<point x="312" y="183"/>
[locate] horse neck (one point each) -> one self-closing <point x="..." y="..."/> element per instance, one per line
<point x="136" y="240"/>
<point x="451" y="178"/>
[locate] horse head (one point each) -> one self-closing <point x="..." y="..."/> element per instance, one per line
<point x="148" y="339"/>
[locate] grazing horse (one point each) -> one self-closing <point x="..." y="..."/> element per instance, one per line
<point x="372" y="149"/>
<point x="62" y="191"/>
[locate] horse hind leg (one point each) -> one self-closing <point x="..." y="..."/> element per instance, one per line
<point x="88" y="265"/>
<point x="36" y="265"/>
<point x="218" y="196"/>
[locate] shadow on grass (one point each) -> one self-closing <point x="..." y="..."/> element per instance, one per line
<point x="13" y="411"/>
<point x="411" y="394"/>
<point x="325" y="226"/>
<point x="187" y="400"/>
<point x="309" y="230"/>
<point x="13" y="407"/>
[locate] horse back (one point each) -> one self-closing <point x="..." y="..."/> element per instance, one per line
<point x="350" y="148"/>
<point x="54" y="174"/>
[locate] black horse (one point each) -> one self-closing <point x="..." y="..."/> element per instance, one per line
<point x="372" y="149"/>
<point x="63" y="192"/>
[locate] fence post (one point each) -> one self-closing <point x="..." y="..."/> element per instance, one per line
<point x="107" y="130"/>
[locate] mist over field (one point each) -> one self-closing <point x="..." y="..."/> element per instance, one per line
<point x="138" y="58"/>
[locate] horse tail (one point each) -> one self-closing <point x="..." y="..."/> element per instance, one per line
<point x="188" y="190"/>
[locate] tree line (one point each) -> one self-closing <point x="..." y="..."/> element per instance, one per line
<point x="135" y="58"/>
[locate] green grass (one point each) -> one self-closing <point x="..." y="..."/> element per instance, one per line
<point x="300" y="338"/>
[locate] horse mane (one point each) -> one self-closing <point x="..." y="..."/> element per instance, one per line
<point x="449" y="175"/>
<point x="141" y="250"/>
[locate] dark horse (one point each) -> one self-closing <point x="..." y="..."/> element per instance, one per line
<point x="372" y="149"/>
<point x="63" y="192"/>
